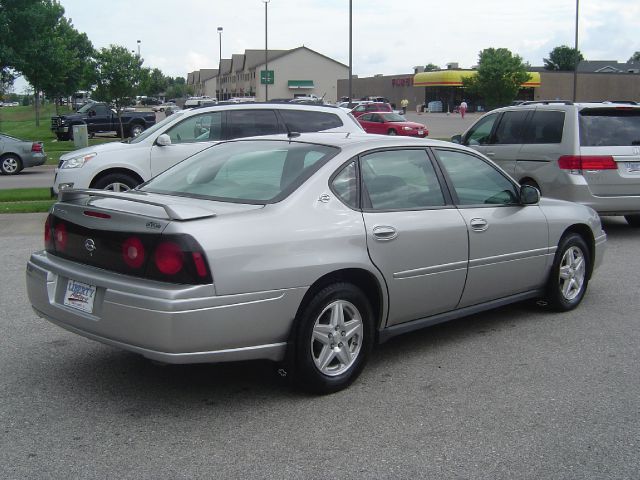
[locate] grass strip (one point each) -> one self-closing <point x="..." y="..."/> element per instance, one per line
<point x="24" y="194"/>
<point x="26" y="207"/>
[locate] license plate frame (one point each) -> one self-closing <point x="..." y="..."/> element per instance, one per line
<point x="80" y="296"/>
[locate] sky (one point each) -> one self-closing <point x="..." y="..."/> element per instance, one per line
<point x="389" y="36"/>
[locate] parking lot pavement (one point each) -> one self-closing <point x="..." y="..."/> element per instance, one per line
<point x="443" y="125"/>
<point x="513" y="393"/>
<point x="34" y="177"/>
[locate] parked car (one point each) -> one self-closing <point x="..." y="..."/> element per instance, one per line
<point x="583" y="152"/>
<point x="120" y="166"/>
<point x="389" y="123"/>
<point x="199" y="101"/>
<point x="306" y="250"/>
<point x="366" y="107"/>
<point x="162" y="106"/>
<point x="17" y="154"/>
<point x="99" y="117"/>
<point x="170" y="110"/>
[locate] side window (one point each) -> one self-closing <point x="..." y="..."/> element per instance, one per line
<point x="101" y="110"/>
<point x="481" y="132"/>
<point x="475" y="181"/>
<point x="545" y="127"/>
<point x="367" y="117"/>
<point x="510" y="128"/>
<point x="250" y="123"/>
<point x="359" y="108"/>
<point x="307" y="121"/>
<point x="345" y="185"/>
<point x="400" y="179"/>
<point x="198" y="128"/>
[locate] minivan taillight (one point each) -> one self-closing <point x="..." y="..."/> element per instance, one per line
<point x="587" y="162"/>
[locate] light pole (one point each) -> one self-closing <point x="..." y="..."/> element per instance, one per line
<point x="350" y="49"/>
<point x="266" y="59"/>
<point x="139" y="47"/>
<point x="575" y="68"/>
<point x="220" y="41"/>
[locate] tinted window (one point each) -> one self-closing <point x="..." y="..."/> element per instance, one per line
<point x="248" y="172"/>
<point x="308" y="121"/>
<point x="609" y="127"/>
<point x="400" y="179"/>
<point x="545" y="127"/>
<point x="198" y="128"/>
<point x="481" y="132"/>
<point x="345" y="185"/>
<point x="475" y="181"/>
<point x="510" y="128"/>
<point x="249" y="123"/>
<point x="367" y="117"/>
<point x="101" y="110"/>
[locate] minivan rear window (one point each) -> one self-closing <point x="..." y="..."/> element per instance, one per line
<point x="610" y="127"/>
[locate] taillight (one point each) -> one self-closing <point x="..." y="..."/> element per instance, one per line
<point x="201" y="265"/>
<point x="60" y="236"/>
<point x="587" y="162"/>
<point x="169" y="258"/>
<point x="48" y="244"/>
<point x="133" y="252"/>
<point x="36" y="147"/>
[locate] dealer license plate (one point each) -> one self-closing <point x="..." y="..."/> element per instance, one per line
<point x="80" y="296"/>
<point x="633" y="167"/>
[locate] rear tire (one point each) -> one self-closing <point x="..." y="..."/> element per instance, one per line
<point x="569" y="276"/>
<point x="392" y="132"/>
<point x="334" y="337"/>
<point x="116" y="182"/>
<point x="10" y="164"/>
<point x="633" y="220"/>
<point x="136" y="130"/>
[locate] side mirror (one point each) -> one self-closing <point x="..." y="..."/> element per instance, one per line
<point x="163" y="140"/>
<point x="529" y="195"/>
<point x="456" y="139"/>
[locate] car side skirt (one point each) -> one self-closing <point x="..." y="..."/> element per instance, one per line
<point x="390" y="332"/>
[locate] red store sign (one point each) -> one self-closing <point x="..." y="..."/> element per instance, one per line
<point x="402" y="82"/>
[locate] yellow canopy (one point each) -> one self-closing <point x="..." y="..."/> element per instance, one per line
<point x="453" y="78"/>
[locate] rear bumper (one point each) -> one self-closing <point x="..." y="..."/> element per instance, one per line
<point x="34" y="160"/>
<point x="164" y="322"/>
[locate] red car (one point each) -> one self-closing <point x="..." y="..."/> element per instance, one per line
<point x="389" y="123"/>
<point x="367" y="107"/>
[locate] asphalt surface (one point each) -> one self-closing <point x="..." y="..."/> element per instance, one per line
<point x="517" y="393"/>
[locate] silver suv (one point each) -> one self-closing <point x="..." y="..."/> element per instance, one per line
<point x="583" y="152"/>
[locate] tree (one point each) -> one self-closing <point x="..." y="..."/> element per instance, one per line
<point x="33" y="48"/>
<point x="70" y="70"/>
<point x="499" y="77"/>
<point x="118" y="74"/>
<point x="635" y="58"/>
<point x="563" y="58"/>
<point x="177" y="87"/>
<point x="152" y="82"/>
<point x="430" y="67"/>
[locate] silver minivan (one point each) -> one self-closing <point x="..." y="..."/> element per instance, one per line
<point x="583" y="152"/>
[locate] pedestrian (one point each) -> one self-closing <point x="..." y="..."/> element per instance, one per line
<point x="463" y="108"/>
<point x="404" y="103"/>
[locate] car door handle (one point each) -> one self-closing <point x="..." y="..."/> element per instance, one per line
<point x="479" y="224"/>
<point x="384" y="233"/>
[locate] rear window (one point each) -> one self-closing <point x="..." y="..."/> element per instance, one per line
<point x="307" y="121"/>
<point x="609" y="127"/>
<point x="255" y="172"/>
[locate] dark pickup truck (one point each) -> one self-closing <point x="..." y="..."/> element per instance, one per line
<point x="100" y="118"/>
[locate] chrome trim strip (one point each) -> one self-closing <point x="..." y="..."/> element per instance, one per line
<point x="508" y="257"/>
<point x="419" y="272"/>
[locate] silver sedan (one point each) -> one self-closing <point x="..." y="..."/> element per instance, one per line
<point x="17" y="154"/>
<point x="306" y="251"/>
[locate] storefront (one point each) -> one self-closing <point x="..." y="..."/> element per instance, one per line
<point x="446" y="87"/>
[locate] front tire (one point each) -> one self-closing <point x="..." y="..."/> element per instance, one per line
<point x="570" y="274"/>
<point x="633" y="220"/>
<point x="116" y="182"/>
<point x="136" y="130"/>
<point x="10" y="164"/>
<point x="334" y="338"/>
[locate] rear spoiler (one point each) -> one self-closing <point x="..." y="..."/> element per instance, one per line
<point x="174" y="212"/>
